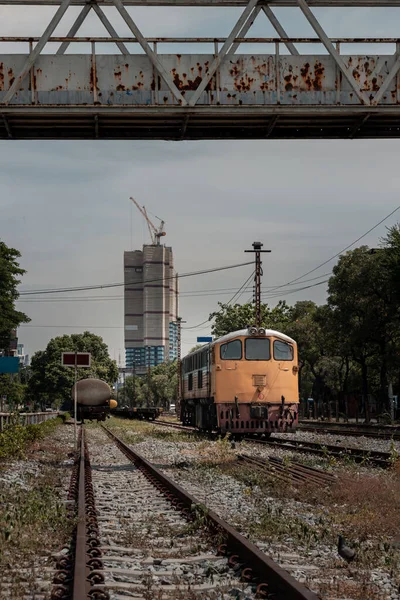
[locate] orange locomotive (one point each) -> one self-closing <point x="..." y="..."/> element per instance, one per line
<point x="244" y="382"/>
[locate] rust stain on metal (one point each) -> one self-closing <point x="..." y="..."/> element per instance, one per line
<point x="244" y="84"/>
<point x="11" y="77"/>
<point x="186" y="84"/>
<point x="312" y="77"/>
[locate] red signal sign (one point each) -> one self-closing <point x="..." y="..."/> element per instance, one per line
<point x="75" y="359"/>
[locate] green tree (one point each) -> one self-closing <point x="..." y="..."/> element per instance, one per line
<point x="130" y="393"/>
<point x="50" y="381"/>
<point x="13" y="390"/>
<point x="240" y="316"/>
<point x="10" y="272"/>
<point x="163" y="384"/>
<point x="363" y="309"/>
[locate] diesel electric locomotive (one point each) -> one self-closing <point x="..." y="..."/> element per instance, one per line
<point x="244" y="382"/>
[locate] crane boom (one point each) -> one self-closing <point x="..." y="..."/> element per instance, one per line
<point x="155" y="233"/>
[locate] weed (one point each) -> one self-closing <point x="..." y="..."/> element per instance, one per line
<point x="15" y="439"/>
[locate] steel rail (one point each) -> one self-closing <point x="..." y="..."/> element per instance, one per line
<point x="81" y="588"/>
<point x="379" y="435"/>
<point x="88" y="565"/>
<point x="263" y="568"/>
<point x="175" y="426"/>
<point x="380" y="459"/>
<point x="296" y="471"/>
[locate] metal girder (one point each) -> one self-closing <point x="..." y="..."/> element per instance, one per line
<point x="75" y="27"/>
<point x="226" y="50"/>
<point x="37" y="50"/>
<point x="389" y="78"/>
<point x="279" y="29"/>
<point x="245" y="29"/>
<point x="7" y="126"/>
<point x="332" y="50"/>
<point x="271" y="125"/>
<point x="103" y="18"/>
<point x="273" y="3"/>
<point x="360" y="122"/>
<point x="152" y="55"/>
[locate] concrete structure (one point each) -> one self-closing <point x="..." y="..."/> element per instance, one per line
<point x="218" y="91"/>
<point x="150" y="307"/>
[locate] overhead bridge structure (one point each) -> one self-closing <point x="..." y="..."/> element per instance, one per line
<point x="118" y="86"/>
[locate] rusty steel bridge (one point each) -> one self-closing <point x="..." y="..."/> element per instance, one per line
<point x="116" y="87"/>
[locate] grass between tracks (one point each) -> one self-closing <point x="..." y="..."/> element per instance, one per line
<point x="33" y="519"/>
<point x="135" y="431"/>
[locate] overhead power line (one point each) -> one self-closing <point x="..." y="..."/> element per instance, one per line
<point x="112" y="285"/>
<point x="338" y="253"/>
<point x="239" y="291"/>
<point x="185" y="294"/>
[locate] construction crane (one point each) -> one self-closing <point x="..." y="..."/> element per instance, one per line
<point x="155" y="234"/>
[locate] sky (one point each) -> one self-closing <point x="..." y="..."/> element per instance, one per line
<point x="65" y="205"/>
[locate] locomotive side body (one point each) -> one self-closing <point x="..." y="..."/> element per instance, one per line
<point x="244" y="382"/>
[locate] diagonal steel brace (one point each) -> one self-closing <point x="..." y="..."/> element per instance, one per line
<point x="37" y="50"/>
<point x="152" y="55"/>
<point x="225" y="51"/>
<point x="332" y="51"/>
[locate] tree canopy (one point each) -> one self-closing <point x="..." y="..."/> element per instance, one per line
<point x="239" y="316"/>
<point x="50" y="382"/>
<point x="10" y="273"/>
<point x="161" y="391"/>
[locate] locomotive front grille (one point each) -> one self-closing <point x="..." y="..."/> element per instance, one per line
<point x="259" y="380"/>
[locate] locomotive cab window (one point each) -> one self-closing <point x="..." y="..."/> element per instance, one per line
<point x="258" y="349"/>
<point x="231" y="350"/>
<point x="282" y="351"/>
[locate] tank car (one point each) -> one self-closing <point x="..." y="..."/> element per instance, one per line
<point x="244" y="382"/>
<point x="93" y="399"/>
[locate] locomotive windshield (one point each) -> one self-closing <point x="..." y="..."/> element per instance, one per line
<point x="282" y="351"/>
<point x="231" y="350"/>
<point x="258" y="349"/>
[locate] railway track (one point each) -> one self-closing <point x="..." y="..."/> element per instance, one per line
<point x="140" y="535"/>
<point x="376" y="458"/>
<point x="379" y="459"/>
<point x="293" y="471"/>
<point x="349" y="430"/>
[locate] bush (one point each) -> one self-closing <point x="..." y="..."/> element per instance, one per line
<point x="15" y="438"/>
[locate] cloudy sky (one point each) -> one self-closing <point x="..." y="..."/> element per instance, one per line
<point x="65" y="205"/>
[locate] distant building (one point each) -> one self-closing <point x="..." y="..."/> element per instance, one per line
<point x="23" y="358"/>
<point x="151" y="297"/>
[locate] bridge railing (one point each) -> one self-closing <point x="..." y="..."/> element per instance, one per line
<point x="262" y="78"/>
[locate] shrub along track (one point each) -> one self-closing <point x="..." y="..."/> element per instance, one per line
<point x="134" y="488"/>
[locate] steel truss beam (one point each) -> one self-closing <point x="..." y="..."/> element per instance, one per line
<point x="272" y="3"/>
<point x="272" y="122"/>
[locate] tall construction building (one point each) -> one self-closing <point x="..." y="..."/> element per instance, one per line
<point x="151" y="300"/>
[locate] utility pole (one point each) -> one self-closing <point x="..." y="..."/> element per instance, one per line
<point x="257" y="279"/>
<point x="178" y="323"/>
<point x="133" y="400"/>
<point x="148" y="376"/>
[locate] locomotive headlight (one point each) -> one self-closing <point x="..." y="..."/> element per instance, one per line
<point x="253" y="330"/>
<point x="262" y="331"/>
